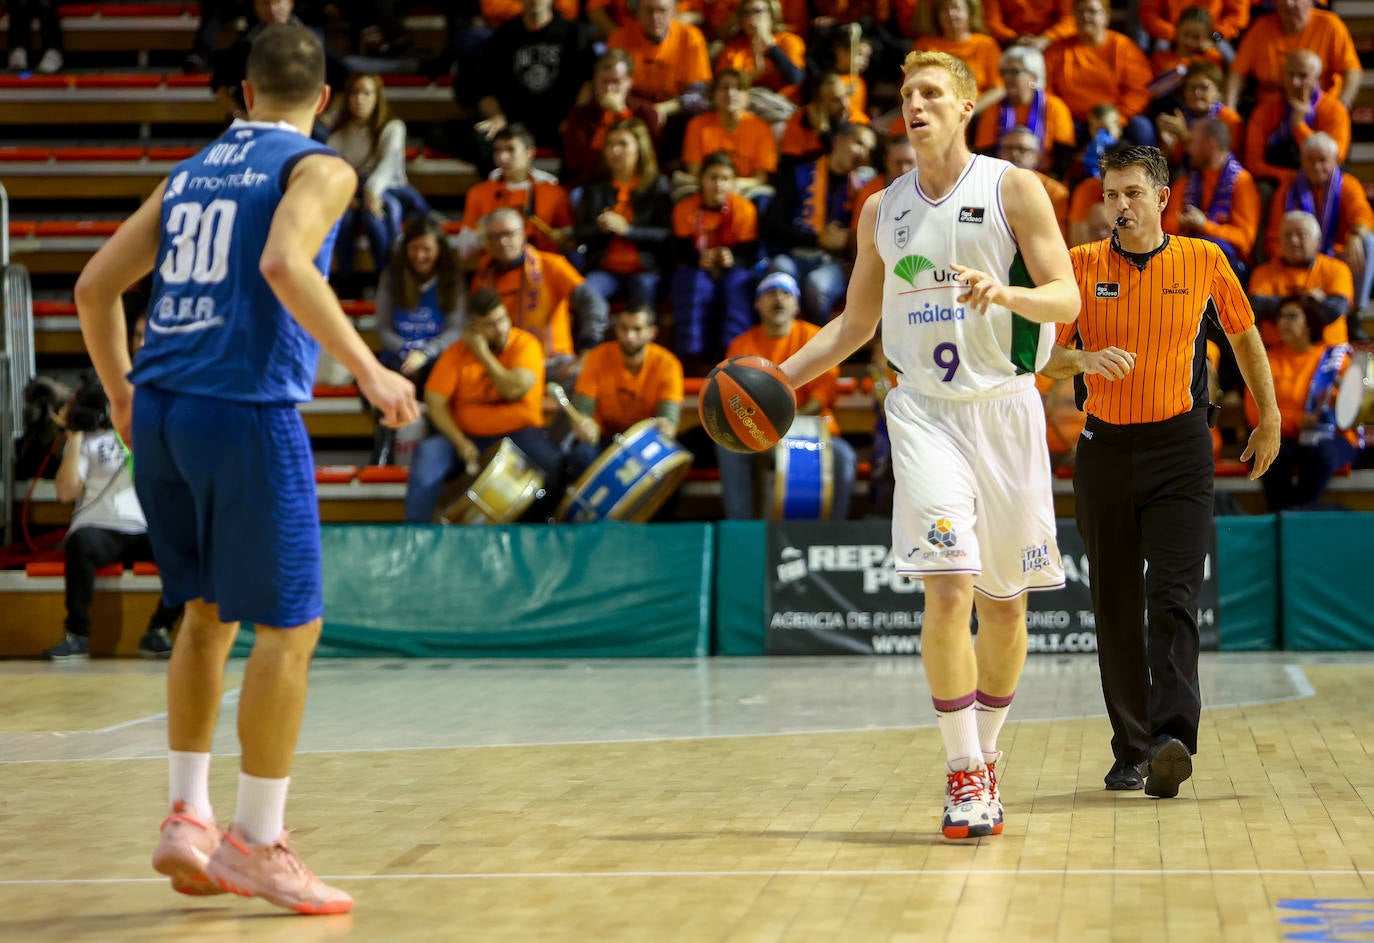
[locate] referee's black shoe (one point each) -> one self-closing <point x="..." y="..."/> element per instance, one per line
<point x="1124" y="776"/>
<point x="1169" y="765"/>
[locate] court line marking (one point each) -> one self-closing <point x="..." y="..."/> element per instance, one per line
<point x="1294" y="672"/>
<point x="801" y="872"/>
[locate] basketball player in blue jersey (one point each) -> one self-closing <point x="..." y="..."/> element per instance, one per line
<point x="239" y="236"/>
<point x="962" y="261"/>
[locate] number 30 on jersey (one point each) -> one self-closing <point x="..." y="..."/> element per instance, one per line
<point x="201" y="237"/>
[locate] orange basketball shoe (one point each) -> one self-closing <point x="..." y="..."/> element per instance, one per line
<point x="275" y="873"/>
<point x="186" y="845"/>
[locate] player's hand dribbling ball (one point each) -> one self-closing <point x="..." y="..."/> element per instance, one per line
<point x="746" y="404"/>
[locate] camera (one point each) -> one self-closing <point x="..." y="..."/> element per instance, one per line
<point x="90" y="407"/>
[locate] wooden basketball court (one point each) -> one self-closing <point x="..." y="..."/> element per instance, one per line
<point x="730" y="800"/>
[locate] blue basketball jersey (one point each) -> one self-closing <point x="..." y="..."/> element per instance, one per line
<point x="420" y="325"/>
<point x="215" y="328"/>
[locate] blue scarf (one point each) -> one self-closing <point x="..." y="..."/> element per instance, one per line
<point x="1035" y="117"/>
<point x="1319" y="400"/>
<point x="1219" y="210"/>
<point x="1283" y="134"/>
<point x="1301" y="197"/>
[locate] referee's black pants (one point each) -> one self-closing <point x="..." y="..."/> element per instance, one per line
<point x="1144" y="500"/>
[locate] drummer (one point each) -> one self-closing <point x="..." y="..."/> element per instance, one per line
<point x="780" y="335"/>
<point x="1306" y="374"/>
<point x="487" y="386"/>
<point x="624" y="381"/>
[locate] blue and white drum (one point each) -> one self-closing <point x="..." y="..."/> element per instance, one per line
<point x="803" y="472"/>
<point x="630" y="480"/>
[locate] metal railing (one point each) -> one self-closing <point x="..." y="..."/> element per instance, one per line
<point x="16" y="347"/>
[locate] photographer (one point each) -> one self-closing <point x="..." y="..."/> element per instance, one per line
<point x="107" y="524"/>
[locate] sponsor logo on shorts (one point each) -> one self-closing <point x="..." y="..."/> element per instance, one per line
<point x="971" y="214"/>
<point x="1109" y="289"/>
<point x="941" y="534"/>
<point x="1035" y="557"/>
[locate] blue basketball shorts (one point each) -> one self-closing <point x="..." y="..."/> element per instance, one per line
<point x="228" y="489"/>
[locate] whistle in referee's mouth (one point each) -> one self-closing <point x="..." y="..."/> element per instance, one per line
<point x="1120" y="221"/>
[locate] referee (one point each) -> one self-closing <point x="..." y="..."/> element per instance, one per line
<point x="1143" y="481"/>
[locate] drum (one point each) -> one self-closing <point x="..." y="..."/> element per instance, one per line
<point x="630" y="480"/>
<point x="507" y="485"/>
<point x="803" y="472"/>
<point x="1355" y="395"/>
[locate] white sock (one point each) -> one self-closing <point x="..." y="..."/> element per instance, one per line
<point x="990" y="721"/>
<point x="261" y="812"/>
<point x="188" y="780"/>
<point x="960" y="732"/>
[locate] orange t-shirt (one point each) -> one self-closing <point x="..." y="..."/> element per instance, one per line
<point x="738" y="53"/>
<point x="1157" y="314"/>
<point x="1008" y="19"/>
<point x="1087" y="193"/>
<point x="624" y="398"/>
<point x="1085" y="76"/>
<point x="1058" y="124"/>
<point x="777" y="349"/>
<point x="622" y="255"/>
<point x="664" y="70"/>
<point x="1331" y="116"/>
<point x="1354" y="210"/>
<point x="710" y="229"/>
<point x="751" y="145"/>
<point x="548" y="202"/>
<point x="1293" y="373"/>
<point x="1264" y="47"/>
<point x="799" y="139"/>
<point x="539" y="304"/>
<point x="478" y="409"/>
<point x="1059" y="199"/>
<point x="980" y="53"/>
<point x="1229" y="17"/>
<point x="1239" y="228"/>
<point x="497" y="12"/>
<point x="873" y="186"/>
<point x="1280" y="280"/>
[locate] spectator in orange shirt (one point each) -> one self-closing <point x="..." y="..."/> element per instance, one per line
<point x="1201" y="98"/>
<point x="1284" y="119"/>
<point x="716" y="240"/>
<point x="1100" y="65"/>
<point x="956" y="27"/>
<point x="1083" y="202"/>
<point x="1295" y="25"/>
<point x="1307" y="373"/>
<point x="1339" y="202"/>
<point x="1216" y="199"/>
<point x="488" y="386"/>
<point x="808" y="220"/>
<point x="1301" y="269"/>
<point x="1029" y="104"/>
<point x="763" y="51"/>
<point x="1192" y="43"/>
<point x="811" y="129"/>
<point x="1228" y="19"/>
<point x="1035" y="23"/>
<point x="622" y="222"/>
<point x="613" y="99"/>
<point x="542" y="293"/>
<point x="625" y="381"/>
<point x="1020" y="147"/>
<point x="518" y="184"/>
<point x="671" y="65"/>
<point x="778" y="336"/>
<point x="732" y="129"/>
<point x="607" y="16"/>
<point x="898" y="157"/>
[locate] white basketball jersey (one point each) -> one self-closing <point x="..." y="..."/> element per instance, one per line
<point x="941" y="348"/>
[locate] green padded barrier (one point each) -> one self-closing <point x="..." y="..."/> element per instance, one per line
<point x="741" y="555"/>
<point x="1248" y="583"/>
<point x="1325" y="559"/>
<point x="585" y="591"/>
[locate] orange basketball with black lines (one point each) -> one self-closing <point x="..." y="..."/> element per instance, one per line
<point x="746" y="404"/>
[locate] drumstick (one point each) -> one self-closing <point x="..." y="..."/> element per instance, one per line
<point x="855" y="31"/>
<point x="561" y="396"/>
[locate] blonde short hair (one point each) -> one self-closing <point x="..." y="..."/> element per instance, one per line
<point x="961" y="79"/>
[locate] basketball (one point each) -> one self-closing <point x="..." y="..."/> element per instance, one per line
<point x="746" y="404"/>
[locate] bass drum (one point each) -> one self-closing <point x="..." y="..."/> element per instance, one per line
<point x="1355" y="395"/>
<point x="505" y="488"/>
<point x="630" y="480"/>
<point x="803" y="472"/>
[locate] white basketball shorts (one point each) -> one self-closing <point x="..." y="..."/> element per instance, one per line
<point x="973" y="489"/>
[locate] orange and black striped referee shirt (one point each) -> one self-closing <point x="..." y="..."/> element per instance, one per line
<point x="1158" y="312"/>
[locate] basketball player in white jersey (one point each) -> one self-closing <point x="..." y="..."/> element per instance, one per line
<point x="946" y="254"/>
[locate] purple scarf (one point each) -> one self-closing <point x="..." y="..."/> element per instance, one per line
<point x="1035" y="117"/>
<point x="1301" y="197"/>
<point x="1283" y="134"/>
<point x="1219" y="210"/>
